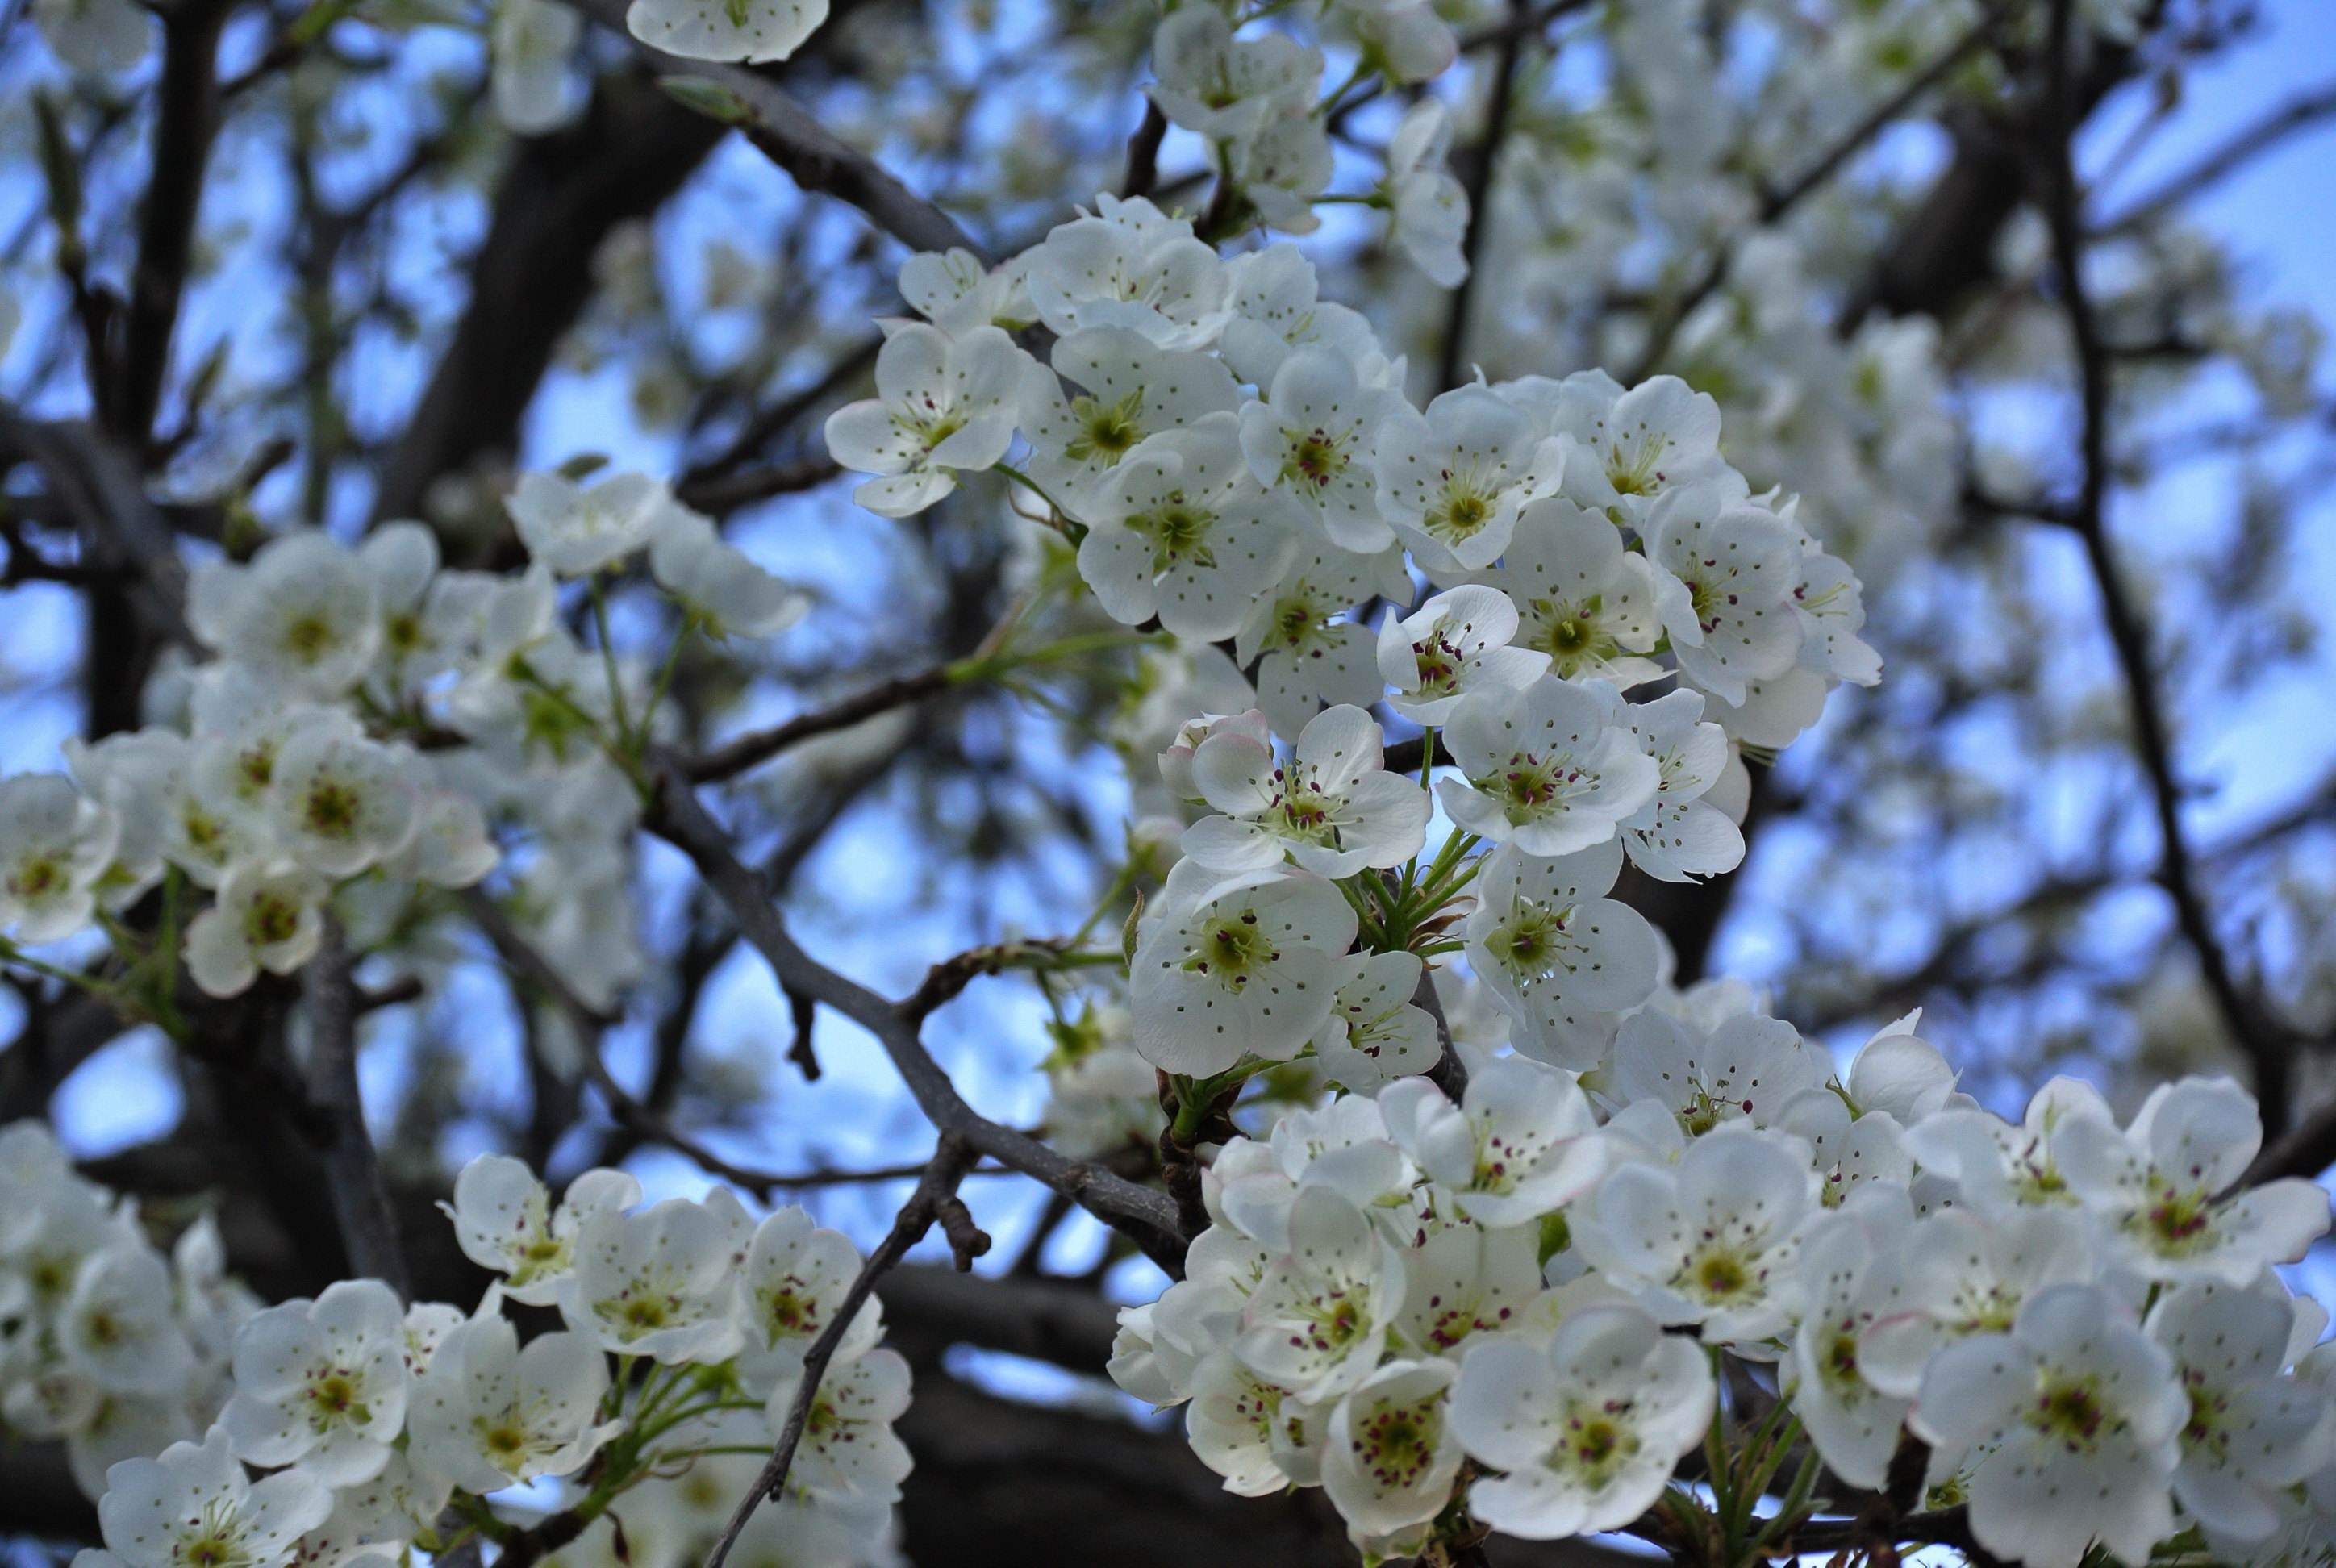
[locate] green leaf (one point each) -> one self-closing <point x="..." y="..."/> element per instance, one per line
<point x="710" y="99"/>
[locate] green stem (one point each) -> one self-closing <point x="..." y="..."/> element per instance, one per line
<point x="1362" y="73"/>
<point x="1111" y="897"/>
<point x="665" y="678"/>
<point x="10" y="953"/>
<point x="609" y="656"/>
<point x="1366" y="918"/>
<point x="1034" y="487"/>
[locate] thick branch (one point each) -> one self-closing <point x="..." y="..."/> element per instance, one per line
<point x="186" y="122"/>
<point x="560" y="198"/>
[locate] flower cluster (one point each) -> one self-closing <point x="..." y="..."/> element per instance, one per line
<point x="367" y="716"/>
<point x="379" y="1426"/>
<point x="1236" y="460"/>
<point x="105" y="1343"/>
<point x="1500" y="1312"/>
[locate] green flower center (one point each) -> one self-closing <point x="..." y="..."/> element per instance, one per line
<point x="331" y="809"/>
<point x="1178" y="532"/>
<point x="309" y="638"/>
<point x="271" y="920"/>
<point x="1528" y="787"/>
<point x="1233" y="950"/>
<point x="2067" y="1410"/>
<point x="1105" y="430"/>
<point x="1314" y="457"/>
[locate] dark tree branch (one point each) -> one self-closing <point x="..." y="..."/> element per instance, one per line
<point x="1479" y="188"/>
<point x="1450" y="1073"/>
<point x="780" y="417"/>
<point x="789" y="136"/>
<point x="1143" y="152"/>
<point x="2297" y="113"/>
<point x="720" y="497"/>
<point x="1148" y="1217"/>
<point x="756" y="747"/>
<point x="560" y="197"/>
<point x="2268" y="1047"/>
<point x="186" y="122"/>
<point x="352" y="1170"/>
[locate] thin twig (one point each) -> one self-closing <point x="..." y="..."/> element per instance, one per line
<point x="935" y="1201"/>
<point x="756" y="747"/>
<point x="2308" y="1149"/>
<point x="792" y="137"/>
<point x="1778" y="202"/>
<point x="725" y="495"/>
<point x="1147" y="1217"/>
<point x="2297" y="113"/>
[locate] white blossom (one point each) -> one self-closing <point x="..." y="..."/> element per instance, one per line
<point x="1583" y="601"/>
<point x="2069" y="1427"/>
<point x="662" y="1281"/>
<point x="943" y="405"/>
<point x="1229" y="966"/>
<point x="1373" y="1034"/>
<point x="2158" y="1187"/>
<point x="193" y="1504"/>
<point x="1556" y="954"/>
<point x="1318" y="1320"/>
<point x="1329" y="806"/>
<point x="1544" y="769"/>
<point x="576" y="530"/>
<point x="1309" y="649"/>
<point x="1313" y="435"/>
<point x="1726" y="599"/>
<point x="2252" y="1434"/>
<point x="504" y="1221"/>
<point x="1455" y="643"/>
<point x="1454" y="480"/>
<point x="322" y="1383"/>
<point x="1128" y="389"/>
<point x="1180" y="531"/>
<point x="1710" y="1241"/>
<point x="726" y="594"/>
<point x="264" y="918"/>
<point x="489" y="1413"/>
<point x="55" y="843"/>
<point x="753" y="31"/>
<point x="1389" y="1457"/>
<point x="1519" y="1144"/>
<point x="1430" y="208"/>
<point x="100" y="37"/>
<point x="1587" y="1426"/>
<point x="1130" y="265"/>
